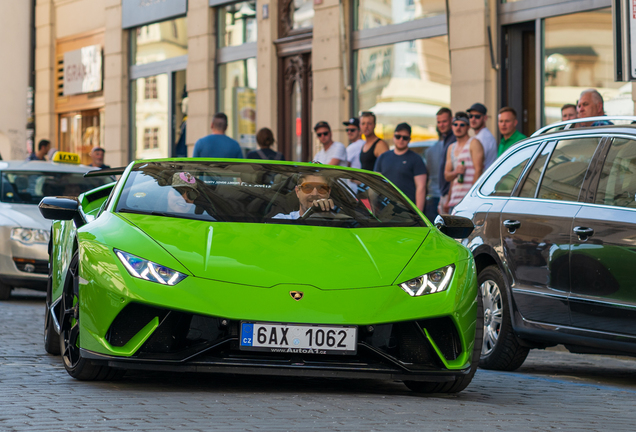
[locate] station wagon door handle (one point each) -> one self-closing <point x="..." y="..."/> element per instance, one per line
<point x="583" y="232"/>
<point x="512" y="225"/>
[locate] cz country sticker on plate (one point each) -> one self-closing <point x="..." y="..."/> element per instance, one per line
<point x="298" y="338"/>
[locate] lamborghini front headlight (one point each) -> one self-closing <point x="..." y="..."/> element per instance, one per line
<point x="432" y="282"/>
<point x="147" y="270"/>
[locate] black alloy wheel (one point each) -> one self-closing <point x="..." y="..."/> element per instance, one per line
<point x="77" y="366"/>
<point x="461" y="382"/>
<point x="51" y="338"/>
<point x="501" y="349"/>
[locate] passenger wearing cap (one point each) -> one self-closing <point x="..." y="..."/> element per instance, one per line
<point x="313" y="191"/>
<point x="355" y="142"/>
<point x="464" y="161"/>
<point x="97" y="156"/>
<point x="404" y="167"/>
<point x="477" y="114"/>
<point x="333" y="153"/>
<point x="183" y="193"/>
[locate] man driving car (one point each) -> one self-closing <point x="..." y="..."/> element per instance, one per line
<point x="313" y="191"/>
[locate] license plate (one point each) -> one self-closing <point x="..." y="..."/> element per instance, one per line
<point x="298" y="338"/>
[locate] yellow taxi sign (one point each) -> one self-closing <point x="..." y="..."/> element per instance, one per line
<point x="66" y="157"/>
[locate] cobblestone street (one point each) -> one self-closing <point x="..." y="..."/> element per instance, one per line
<point x="554" y="390"/>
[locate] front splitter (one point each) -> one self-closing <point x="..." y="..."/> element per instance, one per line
<point x="250" y="367"/>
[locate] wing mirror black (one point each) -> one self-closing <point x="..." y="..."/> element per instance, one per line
<point x="61" y="208"/>
<point x="454" y="226"/>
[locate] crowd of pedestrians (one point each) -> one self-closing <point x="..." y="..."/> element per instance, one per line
<point x="435" y="183"/>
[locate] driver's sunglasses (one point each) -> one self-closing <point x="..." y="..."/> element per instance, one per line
<point x="308" y="187"/>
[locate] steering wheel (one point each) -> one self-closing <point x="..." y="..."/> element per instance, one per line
<point x="312" y="213"/>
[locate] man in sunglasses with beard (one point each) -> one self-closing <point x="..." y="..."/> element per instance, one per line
<point x="313" y="192"/>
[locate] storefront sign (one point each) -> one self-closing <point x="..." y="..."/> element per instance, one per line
<point x="136" y="13"/>
<point x="83" y="70"/>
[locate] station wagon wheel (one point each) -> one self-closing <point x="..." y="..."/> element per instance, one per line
<point x="77" y="366"/>
<point x="501" y="350"/>
<point x="493" y="315"/>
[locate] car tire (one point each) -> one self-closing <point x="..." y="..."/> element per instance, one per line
<point x="460" y="383"/>
<point x="501" y="349"/>
<point x="51" y="338"/>
<point x="5" y="291"/>
<point x="77" y="366"/>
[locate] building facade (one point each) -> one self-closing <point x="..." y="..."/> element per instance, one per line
<point x="143" y="78"/>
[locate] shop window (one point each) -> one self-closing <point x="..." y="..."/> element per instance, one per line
<point x="374" y="13"/>
<point x="297" y="16"/>
<point x="404" y="82"/>
<point x="237" y="99"/>
<point x="159" y="41"/>
<point x="579" y="54"/>
<point x="80" y="131"/>
<point x="237" y="24"/>
<point x="151" y="115"/>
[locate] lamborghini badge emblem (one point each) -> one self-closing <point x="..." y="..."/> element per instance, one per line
<point x="296" y="295"/>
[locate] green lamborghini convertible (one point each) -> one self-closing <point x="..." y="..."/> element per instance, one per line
<point x="275" y="268"/>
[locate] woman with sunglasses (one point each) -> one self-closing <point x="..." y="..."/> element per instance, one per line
<point x="464" y="161"/>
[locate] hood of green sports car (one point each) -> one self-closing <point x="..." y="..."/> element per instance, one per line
<point x="271" y="254"/>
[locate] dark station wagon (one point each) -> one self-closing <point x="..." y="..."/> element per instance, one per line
<point x="555" y="243"/>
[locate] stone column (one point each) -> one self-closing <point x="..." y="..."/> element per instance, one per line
<point x="116" y="84"/>
<point x="200" y="71"/>
<point x="45" y="119"/>
<point x="330" y="99"/>
<point x="472" y="77"/>
<point x="267" y="67"/>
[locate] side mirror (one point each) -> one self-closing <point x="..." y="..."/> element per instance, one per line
<point x="61" y="208"/>
<point x="454" y="226"/>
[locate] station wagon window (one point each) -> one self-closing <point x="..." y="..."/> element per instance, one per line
<point x="617" y="185"/>
<point x="503" y="179"/>
<point x="529" y="188"/>
<point x="565" y="171"/>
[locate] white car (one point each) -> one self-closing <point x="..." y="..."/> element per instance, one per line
<point x="24" y="233"/>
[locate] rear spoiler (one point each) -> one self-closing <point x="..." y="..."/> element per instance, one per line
<point x="106" y="172"/>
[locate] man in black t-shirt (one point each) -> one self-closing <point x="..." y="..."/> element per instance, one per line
<point x="403" y="167"/>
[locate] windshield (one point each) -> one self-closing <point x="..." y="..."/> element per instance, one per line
<point x="28" y="187"/>
<point x="265" y="193"/>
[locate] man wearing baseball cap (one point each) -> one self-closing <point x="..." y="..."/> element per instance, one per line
<point x="478" y="116"/>
<point x="355" y="142"/>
